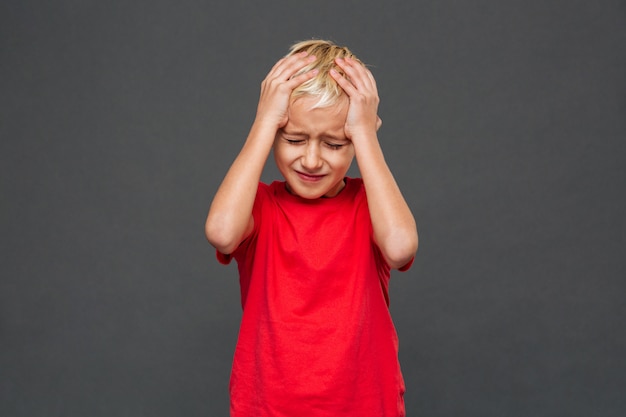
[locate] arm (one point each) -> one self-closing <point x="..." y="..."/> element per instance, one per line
<point x="230" y="219"/>
<point x="395" y="231"/>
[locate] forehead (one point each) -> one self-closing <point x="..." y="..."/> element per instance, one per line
<point x="326" y="120"/>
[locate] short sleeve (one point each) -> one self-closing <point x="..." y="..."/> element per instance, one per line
<point x="407" y="266"/>
<point x="223" y="258"/>
<point x="261" y="196"/>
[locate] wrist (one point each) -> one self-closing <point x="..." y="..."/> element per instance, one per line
<point x="363" y="135"/>
<point x="264" y="128"/>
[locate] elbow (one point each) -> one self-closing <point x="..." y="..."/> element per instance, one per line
<point x="218" y="237"/>
<point x="401" y="250"/>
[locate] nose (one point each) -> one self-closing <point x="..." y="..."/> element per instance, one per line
<point x="312" y="160"/>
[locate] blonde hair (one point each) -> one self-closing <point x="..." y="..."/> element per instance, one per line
<point x="322" y="85"/>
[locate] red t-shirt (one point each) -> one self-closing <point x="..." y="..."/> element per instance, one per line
<point x="316" y="336"/>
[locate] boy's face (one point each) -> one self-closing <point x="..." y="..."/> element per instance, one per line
<point x="312" y="151"/>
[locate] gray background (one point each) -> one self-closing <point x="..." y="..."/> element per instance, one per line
<point x="503" y="123"/>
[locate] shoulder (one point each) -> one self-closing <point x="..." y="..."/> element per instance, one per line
<point x="266" y="198"/>
<point x="355" y="191"/>
<point x="354" y="187"/>
<point x="356" y="182"/>
<point x="272" y="190"/>
<point x="266" y="191"/>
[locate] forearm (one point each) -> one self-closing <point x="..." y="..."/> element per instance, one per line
<point x="230" y="217"/>
<point x="394" y="226"/>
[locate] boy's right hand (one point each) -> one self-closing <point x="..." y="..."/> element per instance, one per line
<point x="276" y="89"/>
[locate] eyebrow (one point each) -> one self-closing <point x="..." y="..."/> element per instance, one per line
<point x="294" y="133"/>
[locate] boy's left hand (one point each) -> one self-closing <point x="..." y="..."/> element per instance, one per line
<point x="362" y="118"/>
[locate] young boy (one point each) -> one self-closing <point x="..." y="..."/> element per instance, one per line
<point x="314" y="252"/>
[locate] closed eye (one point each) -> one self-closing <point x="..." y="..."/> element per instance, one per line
<point x="294" y="141"/>
<point x="334" y="146"/>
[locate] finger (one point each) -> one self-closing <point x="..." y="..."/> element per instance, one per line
<point x="284" y="59"/>
<point x="299" y="79"/>
<point x="290" y="65"/>
<point x="358" y="66"/>
<point x="364" y="76"/>
<point x="371" y="78"/>
<point x="343" y="82"/>
<point x="357" y="73"/>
